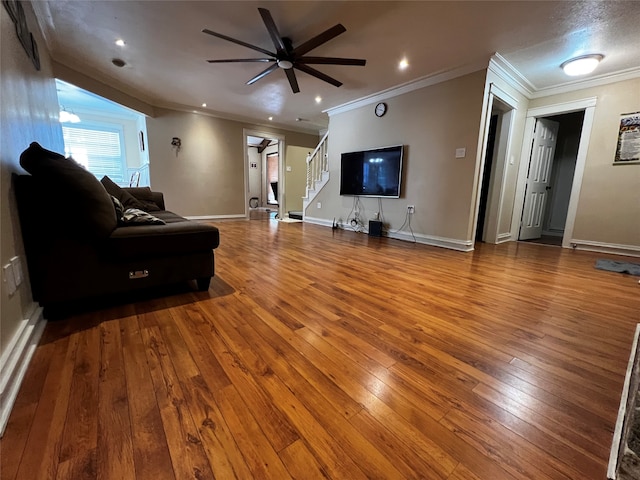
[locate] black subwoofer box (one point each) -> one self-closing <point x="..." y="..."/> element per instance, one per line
<point x="375" y="228"/>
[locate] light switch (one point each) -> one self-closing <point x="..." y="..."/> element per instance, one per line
<point x="16" y="264"/>
<point x="288" y="168"/>
<point x="461" y="152"/>
<point x="7" y="277"/>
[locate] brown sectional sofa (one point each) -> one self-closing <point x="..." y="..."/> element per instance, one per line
<point x="78" y="246"/>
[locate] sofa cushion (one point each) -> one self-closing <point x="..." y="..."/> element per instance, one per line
<point x="72" y="185"/>
<point x="135" y="216"/>
<point x="179" y="236"/>
<point x="127" y="200"/>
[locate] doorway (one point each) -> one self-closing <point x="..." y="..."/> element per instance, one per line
<point x="559" y="223"/>
<point x="544" y="219"/>
<point x="263" y="171"/>
<point x="497" y="158"/>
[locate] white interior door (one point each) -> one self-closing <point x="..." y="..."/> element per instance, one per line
<point x="544" y="146"/>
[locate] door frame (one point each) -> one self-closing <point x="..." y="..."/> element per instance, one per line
<point x="588" y="106"/>
<point x="281" y="163"/>
<point x="497" y="182"/>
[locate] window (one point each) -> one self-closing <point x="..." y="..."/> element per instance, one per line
<point x="100" y="148"/>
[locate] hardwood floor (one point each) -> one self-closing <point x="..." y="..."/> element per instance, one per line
<point x="330" y="354"/>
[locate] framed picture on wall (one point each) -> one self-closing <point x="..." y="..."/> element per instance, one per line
<point x="11" y="6"/>
<point x="628" y="148"/>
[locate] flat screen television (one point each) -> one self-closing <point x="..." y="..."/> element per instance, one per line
<point x="372" y="173"/>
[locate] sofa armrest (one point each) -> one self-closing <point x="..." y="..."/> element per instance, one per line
<point x="147" y="195"/>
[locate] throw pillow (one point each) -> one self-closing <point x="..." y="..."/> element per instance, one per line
<point x="135" y="216"/>
<point x="127" y="200"/>
<point x="70" y="184"/>
<point x="144" y="195"/>
<point x="119" y="208"/>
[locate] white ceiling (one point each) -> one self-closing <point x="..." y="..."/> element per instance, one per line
<point x="166" y="52"/>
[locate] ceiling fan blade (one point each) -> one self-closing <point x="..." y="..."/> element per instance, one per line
<point x="293" y="81"/>
<point x="331" y="61"/>
<point x="239" y="42"/>
<point x="273" y="31"/>
<point x="315" y="73"/>
<point x="236" y="60"/>
<point x="319" y="40"/>
<point x="263" y="74"/>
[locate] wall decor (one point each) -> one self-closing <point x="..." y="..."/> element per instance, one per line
<point x="628" y="149"/>
<point x="11" y="6"/>
<point x="16" y="12"/>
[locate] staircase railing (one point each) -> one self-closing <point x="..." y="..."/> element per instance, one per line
<point x="317" y="163"/>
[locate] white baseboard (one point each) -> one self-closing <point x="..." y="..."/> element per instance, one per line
<point x="318" y="221"/>
<point x="217" y="217"/>
<point x="450" y="243"/>
<point x="15" y="360"/>
<point x="503" y="237"/>
<point x="616" y="249"/>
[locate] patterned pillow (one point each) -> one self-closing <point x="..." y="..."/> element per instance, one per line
<point x="135" y="216"/>
<point x="119" y="208"/>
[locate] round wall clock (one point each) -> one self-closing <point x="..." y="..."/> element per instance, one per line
<point x="381" y="109"/>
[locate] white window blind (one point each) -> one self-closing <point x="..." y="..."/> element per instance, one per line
<point x="98" y="148"/>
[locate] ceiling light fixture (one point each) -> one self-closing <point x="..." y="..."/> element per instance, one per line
<point x="581" y="65"/>
<point x="204" y="105"/>
<point x="286" y="64"/>
<point x="270" y="118"/>
<point x="318" y="99"/>
<point x="404" y="63"/>
<point x="118" y="62"/>
<point x="120" y="42"/>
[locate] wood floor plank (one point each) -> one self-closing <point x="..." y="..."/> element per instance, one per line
<point x="114" y="446"/>
<point x="320" y="353"/>
<point x="42" y="450"/>
<point x="150" y="447"/>
<point x="185" y="446"/>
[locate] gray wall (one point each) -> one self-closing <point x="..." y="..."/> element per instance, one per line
<point x="431" y="122"/>
<point x="29" y="113"/>
<point x="206" y="177"/>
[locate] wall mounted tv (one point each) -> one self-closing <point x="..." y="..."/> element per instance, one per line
<point x="372" y="173"/>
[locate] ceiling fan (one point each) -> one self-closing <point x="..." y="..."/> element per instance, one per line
<point x="288" y="57"/>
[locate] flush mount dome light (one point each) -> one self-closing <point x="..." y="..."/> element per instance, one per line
<point x="581" y="65"/>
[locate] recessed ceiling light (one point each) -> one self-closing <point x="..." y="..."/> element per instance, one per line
<point x="404" y="63"/>
<point x="204" y="105"/>
<point x="318" y="99"/>
<point x="118" y="62"/>
<point x="581" y="65"/>
<point x="120" y="42"/>
<point x="270" y="118"/>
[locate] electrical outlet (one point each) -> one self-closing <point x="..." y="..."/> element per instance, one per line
<point x="411" y="209"/>
<point x="319" y="205"/>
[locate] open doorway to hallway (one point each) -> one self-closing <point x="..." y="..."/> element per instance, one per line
<point x="550" y="178"/>
<point x="263" y="166"/>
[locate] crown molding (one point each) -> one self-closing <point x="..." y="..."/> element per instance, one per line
<point x="406" y="88"/>
<point x="508" y="73"/>
<point x="600" y="80"/>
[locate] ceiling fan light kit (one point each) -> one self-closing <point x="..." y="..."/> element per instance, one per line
<point x="290" y="58"/>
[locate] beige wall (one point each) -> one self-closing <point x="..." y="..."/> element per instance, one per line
<point x="29" y="113"/>
<point x="296" y="179"/>
<point x="609" y="204"/>
<point x="206" y="178"/>
<point x="431" y="122"/>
